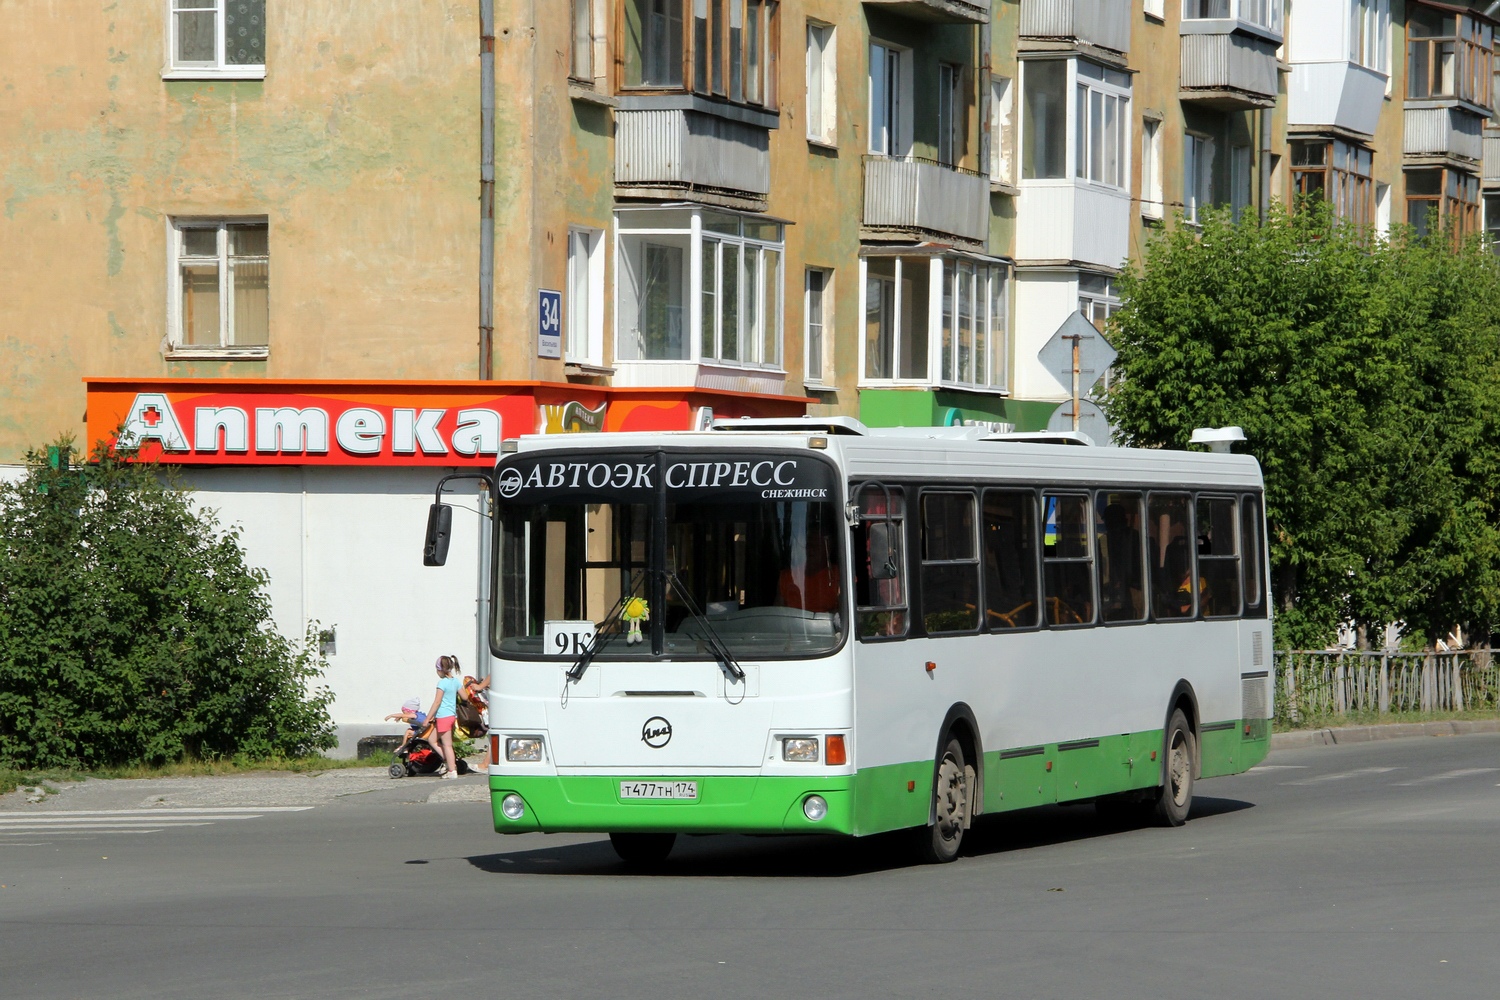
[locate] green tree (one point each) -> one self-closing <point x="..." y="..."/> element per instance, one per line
<point x="131" y="629"/>
<point x="1364" y="374"/>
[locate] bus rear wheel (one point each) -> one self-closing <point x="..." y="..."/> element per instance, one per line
<point x="941" y="841"/>
<point x="641" y="850"/>
<point x="1175" y="797"/>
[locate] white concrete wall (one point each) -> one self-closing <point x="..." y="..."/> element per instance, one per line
<point x="343" y="547"/>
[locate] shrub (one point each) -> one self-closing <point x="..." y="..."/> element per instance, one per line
<point x="132" y="631"/>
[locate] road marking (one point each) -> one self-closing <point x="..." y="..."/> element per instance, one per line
<point x="1339" y="776"/>
<point x="1463" y="772"/>
<point x="75" y="823"/>
<point x="159" y="811"/>
<point x="1276" y="767"/>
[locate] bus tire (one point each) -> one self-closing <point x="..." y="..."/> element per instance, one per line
<point x="641" y="850"/>
<point x="1175" y="797"/>
<point x="951" y="796"/>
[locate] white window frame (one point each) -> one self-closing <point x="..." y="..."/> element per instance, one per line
<point x="950" y="113"/>
<point x="586" y="50"/>
<point x="693" y="278"/>
<point x="825" y="375"/>
<point x="1153" y="202"/>
<point x="218" y="69"/>
<point x="174" y="347"/>
<point x="1370" y="34"/>
<point x="1002" y="131"/>
<point x="943" y="273"/>
<point x="1082" y="119"/>
<point x="1155" y="8"/>
<point x="883" y="56"/>
<point x="584" y="338"/>
<point x="822" y="80"/>
<point x="1197" y="175"/>
<point x="1264" y="14"/>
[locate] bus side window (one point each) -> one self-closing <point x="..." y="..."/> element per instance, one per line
<point x="879" y="565"/>
<point x="1251" y="549"/>
<point x="1170" y="556"/>
<point x="949" y="595"/>
<point x="1067" y="563"/>
<point x="1010" y="566"/>
<point x="1218" y="558"/>
<point x="1119" y="543"/>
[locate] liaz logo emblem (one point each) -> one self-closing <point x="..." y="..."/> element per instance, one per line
<point x="656" y="733"/>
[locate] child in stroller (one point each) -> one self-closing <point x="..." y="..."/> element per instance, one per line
<point x="417" y="755"/>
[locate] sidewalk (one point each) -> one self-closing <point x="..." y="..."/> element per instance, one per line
<point x="1389" y="731"/>
<point x="266" y="788"/>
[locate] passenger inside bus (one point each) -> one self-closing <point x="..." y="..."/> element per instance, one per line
<point x="810" y="581"/>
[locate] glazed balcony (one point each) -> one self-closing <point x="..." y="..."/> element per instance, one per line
<point x="1073" y="222"/>
<point x="910" y="195"/>
<point x="1335" y="95"/>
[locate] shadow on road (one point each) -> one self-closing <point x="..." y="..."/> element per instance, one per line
<point x="728" y="855"/>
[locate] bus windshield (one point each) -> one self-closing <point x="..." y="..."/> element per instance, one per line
<point x="744" y="549"/>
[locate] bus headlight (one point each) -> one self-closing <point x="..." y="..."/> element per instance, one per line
<point x="814" y="807"/>
<point x="523" y="748"/>
<point x="512" y="807"/>
<point x="800" y="749"/>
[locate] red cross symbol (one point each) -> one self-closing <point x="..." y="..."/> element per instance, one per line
<point x="151" y="416"/>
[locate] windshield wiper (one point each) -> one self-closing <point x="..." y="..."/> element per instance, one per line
<point x="611" y="617"/>
<point x="715" y="644"/>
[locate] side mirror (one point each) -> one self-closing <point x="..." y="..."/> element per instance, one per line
<point x="882" y="541"/>
<point x="439" y="528"/>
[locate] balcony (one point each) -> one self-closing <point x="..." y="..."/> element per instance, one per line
<point x="939" y="11"/>
<point x="1228" y="64"/>
<point x="1335" y="95"/>
<point x="1101" y="23"/>
<point x="1072" y="222"/>
<point x="909" y="195"/>
<point x="1491" y="157"/>
<point x="678" y="152"/>
<point x="1442" y="131"/>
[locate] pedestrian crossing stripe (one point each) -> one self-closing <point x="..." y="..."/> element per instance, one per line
<point x="151" y="820"/>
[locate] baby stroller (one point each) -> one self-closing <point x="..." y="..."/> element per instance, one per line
<point x="420" y="757"/>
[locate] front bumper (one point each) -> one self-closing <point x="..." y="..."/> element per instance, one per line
<point x="725" y="804"/>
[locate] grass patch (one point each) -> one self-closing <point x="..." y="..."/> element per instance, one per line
<point x="11" y="779"/>
<point x="1369" y="718"/>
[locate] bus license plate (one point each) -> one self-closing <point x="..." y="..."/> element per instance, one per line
<point x="658" y="789"/>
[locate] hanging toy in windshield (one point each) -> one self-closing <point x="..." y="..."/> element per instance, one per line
<point x="636" y="611"/>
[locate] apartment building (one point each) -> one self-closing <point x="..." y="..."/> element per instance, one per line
<point x="251" y="229"/>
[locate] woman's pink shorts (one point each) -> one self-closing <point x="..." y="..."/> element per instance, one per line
<point x="445" y="724"/>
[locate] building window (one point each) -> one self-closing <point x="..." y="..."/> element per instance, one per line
<point x="217" y="38"/>
<point x="1197" y="176"/>
<point x="1339" y="173"/>
<point x="1152" y="204"/>
<point x="1451" y="194"/>
<point x="1156" y="8"/>
<point x="1492" y="221"/>
<point x="1448" y="55"/>
<point x="221" y="292"/>
<point x="1103" y="125"/>
<point x="1002" y="131"/>
<point x="581" y="66"/>
<point x="1044" y="118"/>
<point x="1097" y="299"/>
<point x="585" y="340"/>
<point x="817" y="310"/>
<point x="733" y="48"/>
<point x="1265" y="14"/>
<point x="969" y="314"/>
<point x="1370" y="34"/>
<point x="890" y="100"/>
<point x="950" y="114"/>
<point x="699" y="285"/>
<point x="822" y="83"/>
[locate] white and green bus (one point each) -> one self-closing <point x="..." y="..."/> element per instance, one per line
<point x="807" y="626"/>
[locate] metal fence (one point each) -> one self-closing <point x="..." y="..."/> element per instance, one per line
<point x="1313" y="685"/>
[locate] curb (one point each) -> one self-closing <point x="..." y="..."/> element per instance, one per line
<point x="1391" y="731"/>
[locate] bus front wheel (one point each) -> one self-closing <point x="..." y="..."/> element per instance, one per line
<point x="941" y="841"/>
<point x="642" y="849"/>
<point x="1175" y="797"/>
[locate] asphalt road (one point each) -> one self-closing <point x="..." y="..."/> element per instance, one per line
<point x="1350" y="871"/>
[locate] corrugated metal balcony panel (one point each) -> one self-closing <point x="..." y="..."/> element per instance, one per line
<point x="691" y="148"/>
<point x="913" y="193"/>
<point x="1443" y="132"/>
<point x="1105" y="23"/>
<point x="1072" y="221"/>
<point x="1491" y="155"/>
<point x="1341" y="95"/>
<point x="1229" y="61"/>
<point x="941" y="11"/>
